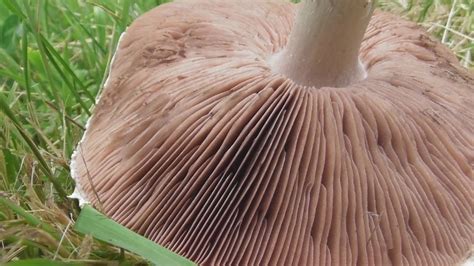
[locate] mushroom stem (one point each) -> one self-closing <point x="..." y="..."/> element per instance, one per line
<point x="323" y="47"/>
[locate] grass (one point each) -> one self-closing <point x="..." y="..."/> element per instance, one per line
<point x="53" y="56"/>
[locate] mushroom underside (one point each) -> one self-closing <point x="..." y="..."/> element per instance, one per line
<point x="197" y="145"/>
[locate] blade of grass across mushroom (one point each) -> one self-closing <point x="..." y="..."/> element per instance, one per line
<point x="107" y="230"/>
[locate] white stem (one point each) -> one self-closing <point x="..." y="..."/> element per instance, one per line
<point x="323" y="48"/>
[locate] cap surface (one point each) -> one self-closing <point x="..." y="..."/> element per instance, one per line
<point x="198" y="146"/>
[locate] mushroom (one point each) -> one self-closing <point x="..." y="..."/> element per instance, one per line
<point x="232" y="136"/>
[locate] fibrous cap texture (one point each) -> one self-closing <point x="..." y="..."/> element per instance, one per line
<point x="197" y="145"/>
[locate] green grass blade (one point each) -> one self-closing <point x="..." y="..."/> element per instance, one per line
<point x="33" y="24"/>
<point x="10" y="167"/>
<point x="66" y="80"/>
<point x="52" y="53"/>
<point x="48" y="52"/>
<point x="124" y="15"/>
<point x="39" y="262"/>
<point x="77" y="23"/>
<point x="91" y="221"/>
<point x="426" y="6"/>
<point x="106" y="9"/>
<point x="29" y="218"/>
<point x="9" y="66"/>
<point x="44" y="165"/>
<point x="25" y="61"/>
<point x="14" y="7"/>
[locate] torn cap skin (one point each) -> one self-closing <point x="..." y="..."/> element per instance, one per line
<point x="199" y="146"/>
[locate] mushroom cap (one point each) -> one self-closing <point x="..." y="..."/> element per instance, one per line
<point x="196" y="144"/>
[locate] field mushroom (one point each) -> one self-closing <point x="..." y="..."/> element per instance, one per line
<point x="251" y="133"/>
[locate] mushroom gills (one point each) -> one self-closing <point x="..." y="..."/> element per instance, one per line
<point x="197" y="144"/>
